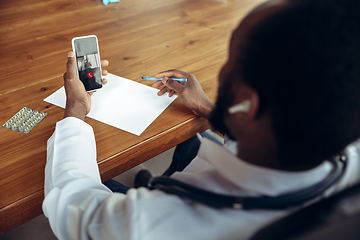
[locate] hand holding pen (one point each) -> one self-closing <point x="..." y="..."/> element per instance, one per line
<point x="160" y="79"/>
<point x="173" y="81"/>
<point x="189" y="91"/>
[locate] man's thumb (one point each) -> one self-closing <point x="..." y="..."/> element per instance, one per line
<point x="174" y="85"/>
<point x="71" y="66"/>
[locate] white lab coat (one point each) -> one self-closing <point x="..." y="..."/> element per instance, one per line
<point x="79" y="206"/>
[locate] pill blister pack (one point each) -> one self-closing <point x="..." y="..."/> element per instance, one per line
<point x="24" y="120"/>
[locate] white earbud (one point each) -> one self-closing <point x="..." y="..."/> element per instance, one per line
<point x="241" y="107"/>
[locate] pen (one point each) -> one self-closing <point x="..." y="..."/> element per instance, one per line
<point x="159" y="79"/>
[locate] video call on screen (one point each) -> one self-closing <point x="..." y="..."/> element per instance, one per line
<point x="88" y="62"/>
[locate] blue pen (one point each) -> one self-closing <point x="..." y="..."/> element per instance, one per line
<point x="159" y="79"/>
<point x="106" y="2"/>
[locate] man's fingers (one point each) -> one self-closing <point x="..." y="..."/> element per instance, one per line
<point x="104" y="81"/>
<point x="104" y="63"/>
<point x="171" y="73"/>
<point x="157" y="84"/>
<point x="171" y="93"/>
<point x="173" y="85"/>
<point x="71" y="67"/>
<point x="104" y="72"/>
<point x="64" y="76"/>
<point x="162" y="91"/>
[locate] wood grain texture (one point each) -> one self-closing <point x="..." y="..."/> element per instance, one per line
<point x="138" y="37"/>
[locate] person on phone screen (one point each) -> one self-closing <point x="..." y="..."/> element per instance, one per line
<point x="288" y="99"/>
<point x="87" y="63"/>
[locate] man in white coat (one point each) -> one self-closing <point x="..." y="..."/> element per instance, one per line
<point x="289" y="99"/>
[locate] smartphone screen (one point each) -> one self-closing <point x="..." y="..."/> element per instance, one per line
<point x="88" y="61"/>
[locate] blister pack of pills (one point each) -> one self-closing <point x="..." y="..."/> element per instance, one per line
<point x="24" y="120"/>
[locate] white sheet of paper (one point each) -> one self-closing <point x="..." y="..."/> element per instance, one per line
<point x="122" y="103"/>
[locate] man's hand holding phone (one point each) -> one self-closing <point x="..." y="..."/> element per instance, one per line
<point x="78" y="101"/>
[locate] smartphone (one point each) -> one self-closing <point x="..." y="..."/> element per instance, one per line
<point x="86" y="50"/>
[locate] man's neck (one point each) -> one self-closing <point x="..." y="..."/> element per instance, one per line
<point x="268" y="158"/>
<point x="259" y="147"/>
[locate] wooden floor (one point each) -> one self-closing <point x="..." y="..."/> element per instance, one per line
<point x="138" y="37"/>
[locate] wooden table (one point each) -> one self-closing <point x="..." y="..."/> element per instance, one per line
<point x="138" y="37"/>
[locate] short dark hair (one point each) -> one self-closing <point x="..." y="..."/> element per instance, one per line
<point x="304" y="61"/>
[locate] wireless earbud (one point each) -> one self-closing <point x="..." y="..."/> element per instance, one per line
<point x="241" y="107"/>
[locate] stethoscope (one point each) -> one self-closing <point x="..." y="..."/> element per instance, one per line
<point x="186" y="191"/>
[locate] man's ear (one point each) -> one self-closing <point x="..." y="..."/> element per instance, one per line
<point x="249" y="106"/>
<point x="254" y="104"/>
